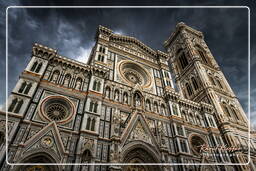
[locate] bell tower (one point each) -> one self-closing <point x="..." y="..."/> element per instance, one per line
<point x="198" y="78"/>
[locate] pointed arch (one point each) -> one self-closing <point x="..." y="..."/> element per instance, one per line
<point x="34" y="66"/>
<point x="22" y="87"/>
<point x="86" y="156"/>
<point x="28" y="88"/>
<point x="88" y="123"/>
<point x="194" y="82"/>
<point x="93" y="124"/>
<point x="13" y="104"/>
<point x="18" y="107"/>
<point x="39" y="67"/>
<point x="189" y="89"/>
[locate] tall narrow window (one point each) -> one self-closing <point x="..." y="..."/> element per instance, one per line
<point x="86" y="157"/>
<point x="91" y="106"/>
<point x="189" y="89"/>
<point x="88" y="124"/>
<point x="93" y="124"/>
<point x="34" y="66"/>
<point x="219" y="83"/>
<point x="98" y="86"/>
<point x="18" y="107"/>
<point x="28" y="88"/>
<point x="13" y="104"/>
<point x="95" y="107"/>
<point x="202" y="55"/>
<point x="22" y="87"/>
<point x="94" y="85"/>
<point x="183" y="146"/>
<point x="235" y="113"/>
<point x="183" y="60"/>
<point x="38" y="68"/>
<point x="194" y="82"/>
<point x="174" y="108"/>
<point x="163" y="110"/>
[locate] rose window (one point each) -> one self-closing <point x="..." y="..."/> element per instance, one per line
<point x="197" y="142"/>
<point x="57" y="108"/>
<point x="134" y="73"/>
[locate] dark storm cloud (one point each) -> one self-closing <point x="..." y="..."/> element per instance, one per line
<point x="72" y="31"/>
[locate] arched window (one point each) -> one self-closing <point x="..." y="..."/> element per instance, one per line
<point x="86" y="157"/>
<point x="78" y="83"/>
<point x="183" y="60"/>
<point x="235" y="113"/>
<point x="189" y="89"/>
<point x="95" y="82"/>
<point x="67" y="80"/>
<point x="13" y="104"/>
<point x="55" y="76"/>
<point x="174" y="109"/>
<point x="95" y="107"/>
<point x="34" y="66"/>
<point x="103" y="51"/>
<point x="202" y="55"/>
<point x="155" y="107"/>
<point x="100" y="49"/>
<point x="17" y="109"/>
<point x="91" y="106"/>
<point x="226" y="110"/>
<point x="98" y="86"/>
<point x="125" y="98"/>
<point x="22" y="87"/>
<point x="219" y="83"/>
<point x="194" y="82"/>
<point x="28" y="88"/>
<point x="39" y="68"/>
<point x="93" y="124"/>
<point x="148" y="105"/>
<point x="88" y="124"/>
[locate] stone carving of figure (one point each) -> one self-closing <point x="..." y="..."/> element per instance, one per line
<point x="55" y="76"/>
<point x="78" y="84"/>
<point x="116" y="122"/>
<point x="137" y="100"/>
<point x="116" y="95"/>
<point x="66" y="81"/>
<point x="125" y="98"/>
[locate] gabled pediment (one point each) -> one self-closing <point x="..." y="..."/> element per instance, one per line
<point x="138" y="130"/>
<point x="46" y="139"/>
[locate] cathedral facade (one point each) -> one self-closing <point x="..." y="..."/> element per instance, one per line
<point x="128" y="104"/>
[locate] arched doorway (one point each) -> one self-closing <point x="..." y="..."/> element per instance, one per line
<point x="140" y="155"/>
<point x="38" y="158"/>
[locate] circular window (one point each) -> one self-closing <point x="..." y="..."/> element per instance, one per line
<point x="197" y="142"/>
<point x="57" y="108"/>
<point x="134" y="73"/>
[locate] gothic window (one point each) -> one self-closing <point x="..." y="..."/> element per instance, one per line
<point x="93" y="124"/>
<point x="39" y="67"/>
<point x="22" y="87"/>
<point x="179" y="130"/>
<point x="107" y="92"/>
<point x="202" y="55"/>
<point x="78" y="83"/>
<point x="226" y="110"/>
<point x="67" y="80"/>
<point x="18" y="107"/>
<point x="86" y="157"/>
<point x="88" y="123"/>
<point x="34" y="66"/>
<point x="174" y="109"/>
<point x="125" y="98"/>
<point x="29" y="85"/>
<point x="194" y="82"/>
<point x="183" y="146"/>
<point x="148" y="105"/>
<point x="116" y="95"/>
<point x="155" y="107"/>
<point x="100" y="49"/>
<point x="96" y="85"/>
<point x="93" y="107"/>
<point x="219" y="83"/>
<point x="189" y="89"/>
<point x="101" y="58"/>
<point x="55" y="76"/>
<point x="235" y="113"/>
<point x="183" y="60"/>
<point x="211" y="121"/>
<point x="13" y="104"/>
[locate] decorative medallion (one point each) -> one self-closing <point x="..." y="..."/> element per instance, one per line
<point x="47" y="141"/>
<point x="57" y="108"/>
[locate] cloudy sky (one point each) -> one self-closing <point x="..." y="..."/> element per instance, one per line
<point x="71" y="31"/>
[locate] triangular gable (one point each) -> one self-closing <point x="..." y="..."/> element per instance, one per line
<point x="36" y="141"/>
<point x="138" y="130"/>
